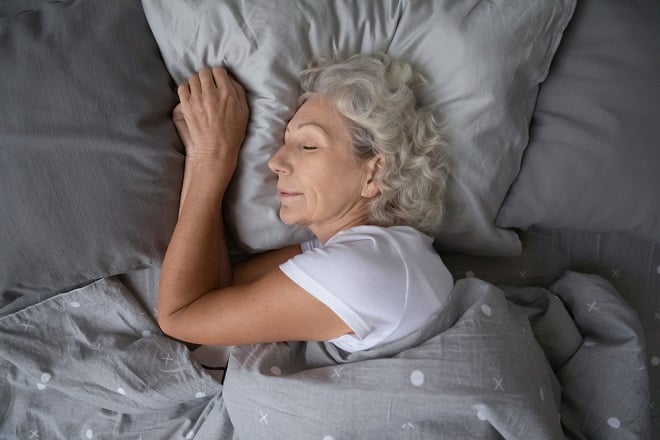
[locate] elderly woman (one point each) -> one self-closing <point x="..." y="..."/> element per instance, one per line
<point x="361" y="166"/>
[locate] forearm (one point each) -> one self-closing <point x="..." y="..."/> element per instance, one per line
<point x="196" y="260"/>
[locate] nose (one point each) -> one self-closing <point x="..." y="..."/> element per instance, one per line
<point x="278" y="163"/>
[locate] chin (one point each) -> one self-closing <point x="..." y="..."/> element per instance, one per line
<point x="287" y="219"/>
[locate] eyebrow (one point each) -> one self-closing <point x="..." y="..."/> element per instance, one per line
<point x="304" y="124"/>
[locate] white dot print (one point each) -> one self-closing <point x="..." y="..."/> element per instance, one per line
<point x="45" y="377"/>
<point x="469" y="274"/>
<point x="655" y="361"/>
<point x="276" y="371"/>
<point x="589" y="343"/>
<point x="542" y="394"/>
<point x="614" y="422"/>
<point x="190" y="435"/>
<point x="89" y="433"/>
<point x="417" y="378"/>
<point x="486" y="310"/>
<point x="481" y="416"/>
<point x="200" y="394"/>
<point x="121" y="391"/>
<point x="328" y="437"/>
<point x="146" y="334"/>
<point x="74" y="304"/>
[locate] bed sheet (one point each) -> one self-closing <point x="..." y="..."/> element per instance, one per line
<point x="489" y="366"/>
<point x="121" y="375"/>
<point x="632" y="265"/>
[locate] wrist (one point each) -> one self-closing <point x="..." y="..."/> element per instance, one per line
<point x="208" y="176"/>
<point x="215" y="153"/>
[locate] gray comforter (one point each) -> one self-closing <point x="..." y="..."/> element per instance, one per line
<point x="498" y="362"/>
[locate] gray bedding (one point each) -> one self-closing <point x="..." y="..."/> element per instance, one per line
<point x="511" y="362"/>
<point x="89" y="183"/>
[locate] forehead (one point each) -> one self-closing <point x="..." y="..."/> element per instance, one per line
<point x="319" y="111"/>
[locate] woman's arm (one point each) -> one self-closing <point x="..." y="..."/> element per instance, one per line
<point x="201" y="299"/>
<point x="215" y="111"/>
<point x="257" y="266"/>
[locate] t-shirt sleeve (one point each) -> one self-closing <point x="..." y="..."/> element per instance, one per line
<point x="362" y="279"/>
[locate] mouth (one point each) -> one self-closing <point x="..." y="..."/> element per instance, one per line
<point x="285" y="194"/>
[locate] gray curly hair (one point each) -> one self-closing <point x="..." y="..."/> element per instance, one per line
<point x="374" y="94"/>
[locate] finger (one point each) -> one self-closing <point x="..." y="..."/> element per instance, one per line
<point x="240" y="91"/>
<point x="206" y="79"/>
<point x="177" y="113"/>
<point x="184" y="92"/>
<point x="220" y="76"/>
<point x="195" y="86"/>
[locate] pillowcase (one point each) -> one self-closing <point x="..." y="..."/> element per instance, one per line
<point x="91" y="163"/>
<point x="483" y="60"/>
<point x="593" y="162"/>
<point x="11" y="7"/>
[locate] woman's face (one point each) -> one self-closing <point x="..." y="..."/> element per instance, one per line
<point x="320" y="183"/>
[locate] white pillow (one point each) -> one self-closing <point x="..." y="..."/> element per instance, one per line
<point x="483" y="61"/>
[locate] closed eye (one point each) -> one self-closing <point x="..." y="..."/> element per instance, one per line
<point x="309" y="147"/>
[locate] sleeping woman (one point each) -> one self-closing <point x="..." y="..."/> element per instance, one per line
<point x="361" y="166"/>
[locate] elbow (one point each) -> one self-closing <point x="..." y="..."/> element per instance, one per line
<point x="167" y="326"/>
<point x="164" y="326"/>
<point x="176" y="327"/>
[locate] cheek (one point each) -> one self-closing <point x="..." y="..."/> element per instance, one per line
<point x="338" y="188"/>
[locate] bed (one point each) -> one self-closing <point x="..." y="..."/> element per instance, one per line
<point x="552" y="232"/>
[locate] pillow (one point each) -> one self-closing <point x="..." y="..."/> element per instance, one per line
<point x="91" y="164"/>
<point x="11" y="7"/>
<point x="593" y="162"/>
<point x="484" y="61"/>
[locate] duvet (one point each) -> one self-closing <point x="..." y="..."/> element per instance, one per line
<point x="497" y="362"/>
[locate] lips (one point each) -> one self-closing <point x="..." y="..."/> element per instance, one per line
<point x="285" y="194"/>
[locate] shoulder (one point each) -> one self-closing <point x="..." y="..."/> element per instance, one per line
<point x="397" y="242"/>
<point x="374" y="236"/>
<point x="369" y="244"/>
<point x="366" y="258"/>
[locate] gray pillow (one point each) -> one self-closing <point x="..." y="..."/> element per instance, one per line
<point x="91" y="164"/>
<point x="11" y="7"/>
<point x="593" y="162"/>
<point x="484" y="61"/>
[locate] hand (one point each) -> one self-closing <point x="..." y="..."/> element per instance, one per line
<point x="215" y="115"/>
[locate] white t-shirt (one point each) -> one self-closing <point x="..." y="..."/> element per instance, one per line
<point x="384" y="283"/>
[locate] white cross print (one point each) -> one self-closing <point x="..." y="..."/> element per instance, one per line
<point x="251" y="354"/>
<point x="592" y="306"/>
<point x="34" y="434"/>
<point x="615" y="273"/>
<point x="167" y="358"/>
<point x="522" y="274"/>
<point x="498" y="384"/>
<point x="657" y="315"/>
<point x="408" y="426"/>
<point x="337" y="371"/>
<point x="27" y="325"/>
<point x="264" y="418"/>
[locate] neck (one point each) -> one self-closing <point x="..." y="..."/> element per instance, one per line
<point x="328" y="230"/>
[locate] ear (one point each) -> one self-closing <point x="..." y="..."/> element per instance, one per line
<point x="370" y="188"/>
